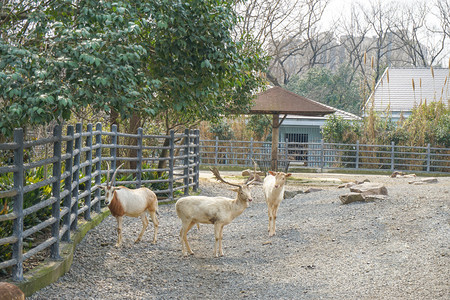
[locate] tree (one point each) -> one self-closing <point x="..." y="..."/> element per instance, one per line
<point x="172" y="60"/>
<point x="337" y="89"/>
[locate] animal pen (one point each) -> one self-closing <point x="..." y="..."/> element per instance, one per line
<point x="39" y="211"/>
<point x="322" y="155"/>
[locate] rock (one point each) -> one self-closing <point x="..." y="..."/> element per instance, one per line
<point x="368" y="188"/>
<point x="291" y="194"/>
<point x="346" y="185"/>
<point x="371" y="198"/>
<point x="9" y="291"/>
<point x="311" y="190"/>
<point x="361" y="182"/>
<point x="257" y="180"/>
<point x="249" y="172"/>
<point x="398" y="174"/>
<point x="424" y="181"/>
<point x="351" y="197"/>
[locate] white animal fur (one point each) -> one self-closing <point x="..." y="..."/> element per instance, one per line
<point x="273" y="188"/>
<point x="219" y="211"/>
<point x="123" y="201"/>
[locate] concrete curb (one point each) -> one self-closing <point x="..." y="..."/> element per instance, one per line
<point x="50" y="270"/>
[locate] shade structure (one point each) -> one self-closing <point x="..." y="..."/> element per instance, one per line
<point x="277" y="101"/>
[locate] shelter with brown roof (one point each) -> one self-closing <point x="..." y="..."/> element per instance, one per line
<point x="278" y="101"/>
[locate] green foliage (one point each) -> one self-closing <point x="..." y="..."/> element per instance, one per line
<point x="260" y="126"/>
<point x="146" y="57"/>
<point x="426" y="124"/>
<point x="338" y="130"/>
<point x="337" y="89"/>
<point x="222" y="130"/>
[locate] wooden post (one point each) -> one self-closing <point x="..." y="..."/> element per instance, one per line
<point x="17" y="247"/>
<point x="88" y="174"/>
<point x="187" y="150"/>
<point x="275" y="133"/>
<point x="68" y="184"/>
<point x="357" y="155"/>
<point x="392" y="156"/>
<point x="56" y="187"/>
<point x="196" y="159"/>
<point x="171" y="163"/>
<point x="76" y="176"/>
<point x="139" y="158"/>
<point x="98" y="165"/>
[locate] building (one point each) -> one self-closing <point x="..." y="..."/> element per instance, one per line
<point x="399" y="90"/>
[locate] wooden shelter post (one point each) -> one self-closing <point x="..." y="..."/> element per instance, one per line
<point x="275" y="134"/>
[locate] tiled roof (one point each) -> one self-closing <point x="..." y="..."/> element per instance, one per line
<point x="395" y="88"/>
<point x="279" y="100"/>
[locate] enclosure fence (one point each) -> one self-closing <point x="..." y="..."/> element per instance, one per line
<point x="39" y="211"/>
<point x="324" y="155"/>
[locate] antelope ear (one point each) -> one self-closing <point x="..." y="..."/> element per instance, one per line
<point x="235" y="189"/>
<point x="272" y="173"/>
<point x="288" y="174"/>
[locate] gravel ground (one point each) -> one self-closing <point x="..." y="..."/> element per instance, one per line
<point x="397" y="248"/>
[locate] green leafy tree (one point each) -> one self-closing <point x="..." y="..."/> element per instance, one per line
<point x="337" y="89"/>
<point x="171" y="60"/>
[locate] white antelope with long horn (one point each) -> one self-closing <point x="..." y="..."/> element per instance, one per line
<point x="123" y="201"/>
<point x="219" y="211"/>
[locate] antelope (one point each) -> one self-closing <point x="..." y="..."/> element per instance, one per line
<point x="123" y="201"/>
<point x="273" y="188"/>
<point x="219" y="211"/>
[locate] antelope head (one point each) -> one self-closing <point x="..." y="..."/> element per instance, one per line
<point x="243" y="191"/>
<point x="110" y="188"/>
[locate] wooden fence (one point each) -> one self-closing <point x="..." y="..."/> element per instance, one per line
<point x="48" y="209"/>
<point x="323" y="155"/>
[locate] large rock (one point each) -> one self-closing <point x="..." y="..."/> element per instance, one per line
<point x="291" y="194"/>
<point x="351" y="197"/>
<point x="9" y="291"/>
<point x="249" y="172"/>
<point x="424" y="181"/>
<point x="369" y="188"/>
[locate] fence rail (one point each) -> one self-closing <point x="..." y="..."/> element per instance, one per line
<point x="323" y="155"/>
<point x="51" y="207"/>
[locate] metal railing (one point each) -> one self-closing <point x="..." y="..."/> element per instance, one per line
<point x="56" y="202"/>
<point x="323" y="155"/>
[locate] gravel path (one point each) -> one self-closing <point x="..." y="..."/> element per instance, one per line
<point x="398" y="248"/>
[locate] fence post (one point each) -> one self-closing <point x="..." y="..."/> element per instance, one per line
<point x="216" y="150"/>
<point x="171" y="163"/>
<point x="187" y="150"/>
<point x="56" y="187"/>
<point x="88" y="174"/>
<point x="98" y="165"/>
<point x="322" y="145"/>
<point x="286" y="149"/>
<point x="68" y="183"/>
<point x="140" y="133"/>
<point x="17" y="247"/>
<point x="357" y="155"/>
<point x="251" y="152"/>
<point x="76" y="176"/>
<point x="113" y="150"/>
<point x="392" y="156"/>
<point x="428" y="157"/>
<point x="196" y="159"/>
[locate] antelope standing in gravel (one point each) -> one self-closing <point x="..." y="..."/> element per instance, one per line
<point x="123" y="201"/>
<point x="273" y="188"/>
<point x="219" y="211"/>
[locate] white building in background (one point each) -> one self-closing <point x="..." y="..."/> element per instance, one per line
<point x="399" y="90"/>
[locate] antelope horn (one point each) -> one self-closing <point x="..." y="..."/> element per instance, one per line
<point x="113" y="180"/>
<point x="107" y="174"/>
<point x="218" y="177"/>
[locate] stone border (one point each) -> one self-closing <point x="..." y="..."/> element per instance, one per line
<point x="51" y="270"/>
